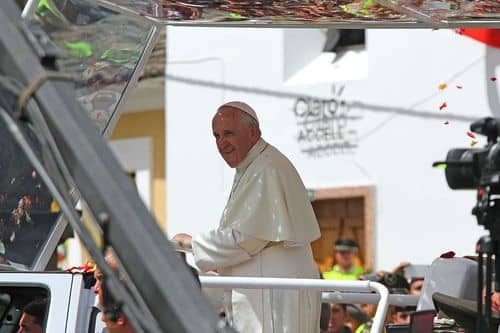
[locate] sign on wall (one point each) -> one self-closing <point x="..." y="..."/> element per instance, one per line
<point x="325" y="126"/>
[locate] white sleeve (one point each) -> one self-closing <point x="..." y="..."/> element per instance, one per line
<point x="250" y="244"/>
<point x="222" y="248"/>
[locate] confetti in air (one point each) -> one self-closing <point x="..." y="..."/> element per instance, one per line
<point x="442" y="86"/>
<point x="459" y="87"/>
<point x="471" y="135"/>
<point x="446" y="122"/>
<point x="493" y="79"/>
<point x="442" y="106"/>
<point x="33" y="174"/>
<point x="473" y="143"/>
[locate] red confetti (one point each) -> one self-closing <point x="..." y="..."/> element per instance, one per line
<point x="471" y="135"/>
<point x="446" y="122"/>
<point x="493" y="79"/>
<point x="442" y="106"/>
<point x="88" y="267"/>
<point x="459" y="87"/>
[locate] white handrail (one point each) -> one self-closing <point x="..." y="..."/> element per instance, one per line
<point x="310" y="284"/>
<point x="369" y="298"/>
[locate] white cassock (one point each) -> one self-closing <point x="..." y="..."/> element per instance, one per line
<point x="265" y="231"/>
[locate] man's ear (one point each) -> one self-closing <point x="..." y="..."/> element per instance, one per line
<point x="121" y="320"/>
<point x="255" y="132"/>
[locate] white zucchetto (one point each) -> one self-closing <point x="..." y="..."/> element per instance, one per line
<point x="242" y="106"/>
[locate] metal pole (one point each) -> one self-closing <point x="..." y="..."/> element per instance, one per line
<point x="29" y="9"/>
<point x="369" y="298"/>
<point x="166" y="285"/>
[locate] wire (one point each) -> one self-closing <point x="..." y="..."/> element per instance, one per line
<point x="421" y="101"/>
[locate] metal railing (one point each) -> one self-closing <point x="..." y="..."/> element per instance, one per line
<point x="368" y="298"/>
<point x="356" y="291"/>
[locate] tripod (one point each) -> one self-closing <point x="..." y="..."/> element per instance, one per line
<point x="486" y="248"/>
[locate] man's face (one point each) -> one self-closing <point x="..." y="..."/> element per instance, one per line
<point x="344" y="259"/>
<point x="98" y="283"/>
<point x="110" y="325"/>
<point x="368" y="309"/>
<point x="233" y="137"/>
<point x="337" y="319"/>
<point x="416" y="287"/>
<point x="121" y="325"/>
<point x="401" y="317"/>
<point x="28" y="324"/>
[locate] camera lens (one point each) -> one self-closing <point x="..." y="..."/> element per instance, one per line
<point x="461" y="176"/>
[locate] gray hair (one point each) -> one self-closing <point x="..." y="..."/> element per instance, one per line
<point x="247" y="119"/>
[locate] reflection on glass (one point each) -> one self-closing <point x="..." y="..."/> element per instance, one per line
<point x="264" y="11"/>
<point x="26" y="216"/>
<point x="309" y="11"/>
<point x="99" y="47"/>
<point x="449" y="9"/>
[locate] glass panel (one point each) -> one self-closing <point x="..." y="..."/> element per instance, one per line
<point x="263" y="11"/>
<point x="14" y="299"/>
<point x="26" y="217"/>
<point x="99" y="47"/>
<point x="367" y="13"/>
<point x="447" y="10"/>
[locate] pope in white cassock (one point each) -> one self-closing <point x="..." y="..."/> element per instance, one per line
<point x="265" y="230"/>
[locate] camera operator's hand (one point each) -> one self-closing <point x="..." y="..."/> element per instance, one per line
<point x="401" y="267"/>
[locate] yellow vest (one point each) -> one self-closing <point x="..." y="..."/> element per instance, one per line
<point x="337" y="274"/>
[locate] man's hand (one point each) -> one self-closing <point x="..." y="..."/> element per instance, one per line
<point x="184" y="240"/>
<point x="401" y="267"/>
<point x="495" y="301"/>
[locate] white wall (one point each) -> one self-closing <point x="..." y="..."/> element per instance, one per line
<point x="417" y="217"/>
<point x="136" y="155"/>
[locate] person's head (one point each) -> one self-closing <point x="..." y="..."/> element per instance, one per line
<point x="416" y="286"/>
<point x="98" y="280"/>
<point x="112" y="314"/>
<point x="401" y="314"/>
<point x="33" y="317"/>
<point x="346" y="250"/>
<point x="236" y="130"/>
<point x="98" y="276"/>
<point x="338" y="318"/>
<point x="368" y="309"/>
<point x="355" y="317"/>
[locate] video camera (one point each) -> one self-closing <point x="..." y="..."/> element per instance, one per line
<point x="479" y="168"/>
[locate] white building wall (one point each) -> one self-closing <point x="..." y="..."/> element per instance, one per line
<point x="417" y="217"/>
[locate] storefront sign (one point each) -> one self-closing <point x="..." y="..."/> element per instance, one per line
<point x="324" y="126"/>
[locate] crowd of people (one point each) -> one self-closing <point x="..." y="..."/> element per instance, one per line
<point x="335" y="317"/>
<point x="357" y="318"/>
